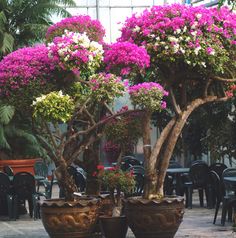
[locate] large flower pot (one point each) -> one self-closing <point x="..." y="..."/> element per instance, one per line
<point x="154" y="218"/>
<point x="113" y="227"/>
<point x="70" y="219"/>
<point x="19" y="165"/>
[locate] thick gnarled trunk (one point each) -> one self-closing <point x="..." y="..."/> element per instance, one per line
<point x="157" y="159"/>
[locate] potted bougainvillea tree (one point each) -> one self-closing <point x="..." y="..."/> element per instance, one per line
<point x="192" y="52"/>
<point x="66" y="89"/>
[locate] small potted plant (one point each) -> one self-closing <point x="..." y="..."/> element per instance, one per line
<point x="117" y="182"/>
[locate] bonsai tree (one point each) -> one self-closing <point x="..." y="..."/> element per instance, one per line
<point x="192" y="52"/>
<point x="67" y="91"/>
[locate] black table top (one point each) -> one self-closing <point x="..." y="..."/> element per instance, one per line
<point x="178" y="170"/>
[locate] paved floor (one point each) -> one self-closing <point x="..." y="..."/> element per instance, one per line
<point x="197" y="223"/>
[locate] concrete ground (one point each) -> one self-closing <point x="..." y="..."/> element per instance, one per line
<point x="197" y="223"/>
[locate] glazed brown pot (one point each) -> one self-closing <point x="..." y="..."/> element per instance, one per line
<point x="19" y="165"/>
<point x="113" y="227"/>
<point x="154" y="218"/>
<point x="70" y="219"/>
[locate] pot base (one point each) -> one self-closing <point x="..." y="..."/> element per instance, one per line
<point x="113" y="227"/>
<point x="154" y="218"/>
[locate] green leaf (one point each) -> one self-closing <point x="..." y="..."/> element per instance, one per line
<point x="3" y="141"/>
<point x="6" y="113"/>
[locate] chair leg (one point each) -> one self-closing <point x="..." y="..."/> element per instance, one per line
<point x="10" y="206"/>
<point x="200" y="191"/>
<point x="224" y="211"/>
<point x="15" y="207"/>
<point x="230" y="213"/>
<point x="189" y="191"/>
<point x="216" y="211"/>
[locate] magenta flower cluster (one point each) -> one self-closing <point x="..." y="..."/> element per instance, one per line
<point x="197" y="36"/>
<point x="126" y="57"/>
<point x="148" y="95"/>
<point x="23" y="66"/>
<point x="145" y="87"/>
<point x="80" y="24"/>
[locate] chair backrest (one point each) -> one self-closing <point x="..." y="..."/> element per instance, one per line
<point x="129" y="161"/>
<point x="217" y="185"/>
<point x="174" y="164"/>
<point x="229" y="172"/>
<point x="24" y="185"/>
<point x="229" y="187"/>
<point x="199" y="174"/>
<point x="41" y="169"/>
<point x="8" y="170"/>
<point x="198" y="162"/>
<point x="218" y="168"/>
<point x="78" y="178"/>
<point x="137" y="169"/>
<point x="5" y="185"/>
<point x="139" y="184"/>
<point x="80" y="181"/>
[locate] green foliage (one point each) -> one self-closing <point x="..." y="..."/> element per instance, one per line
<point x="106" y="87"/>
<point x="117" y="179"/>
<point x="54" y="107"/>
<point x="24" y="22"/>
<point x="124" y="131"/>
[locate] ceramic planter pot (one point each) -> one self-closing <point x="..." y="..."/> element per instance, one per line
<point x="70" y="219"/>
<point x="113" y="227"/>
<point x="154" y="218"/>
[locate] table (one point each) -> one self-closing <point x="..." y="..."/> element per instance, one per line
<point x="176" y="173"/>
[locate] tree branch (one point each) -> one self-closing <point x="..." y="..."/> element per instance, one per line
<point x="49" y="132"/>
<point x="174" y="103"/>
<point x="109" y="109"/>
<point x="205" y="92"/>
<point x="91" y="119"/>
<point x="233" y="80"/>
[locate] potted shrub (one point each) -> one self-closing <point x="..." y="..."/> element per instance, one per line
<point x="66" y="90"/>
<point x="116" y="182"/>
<point x="191" y="50"/>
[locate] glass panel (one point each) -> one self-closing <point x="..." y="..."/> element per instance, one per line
<point x="80" y="2"/>
<point x="105" y="20"/>
<point x="92" y="12"/>
<point x="142" y="2"/>
<point x="139" y="9"/>
<point x="92" y="3"/>
<point x="120" y="2"/>
<point x="78" y="11"/>
<point x="104" y="3"/>
<point x="159" y="2"/>
<point x="118" y="15"/>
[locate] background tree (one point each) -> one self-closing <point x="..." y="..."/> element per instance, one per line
<point x="24" y="22"/>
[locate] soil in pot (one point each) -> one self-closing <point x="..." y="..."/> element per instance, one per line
<point x="113" y="227"/>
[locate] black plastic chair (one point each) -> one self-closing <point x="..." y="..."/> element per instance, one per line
<point x="5" y="195"/>
<point x="137" y="169"/>
<point x="129" y="161"/>
<point x="199" y="175"/>
<point x="229" y="199"/>
<point x="79" y="179"/>
<point x="217" y="191"/>
<point x="24" y="190"/>
<point x="218" y="168"/>
<point x="8" y="170"/>
<point x="41" y="169"/>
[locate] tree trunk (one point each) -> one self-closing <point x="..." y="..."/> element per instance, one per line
<point x="157" y="160"/>
<point x="150" y="174"/>
<point x="65" y="181"/>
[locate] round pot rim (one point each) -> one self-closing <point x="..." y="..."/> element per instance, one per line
<point x="81" y="202"/>
<point x="141" y="200"/>
<point x="110" y="217"/>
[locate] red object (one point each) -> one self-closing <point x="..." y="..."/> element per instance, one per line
<point x="19" y="165"/>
